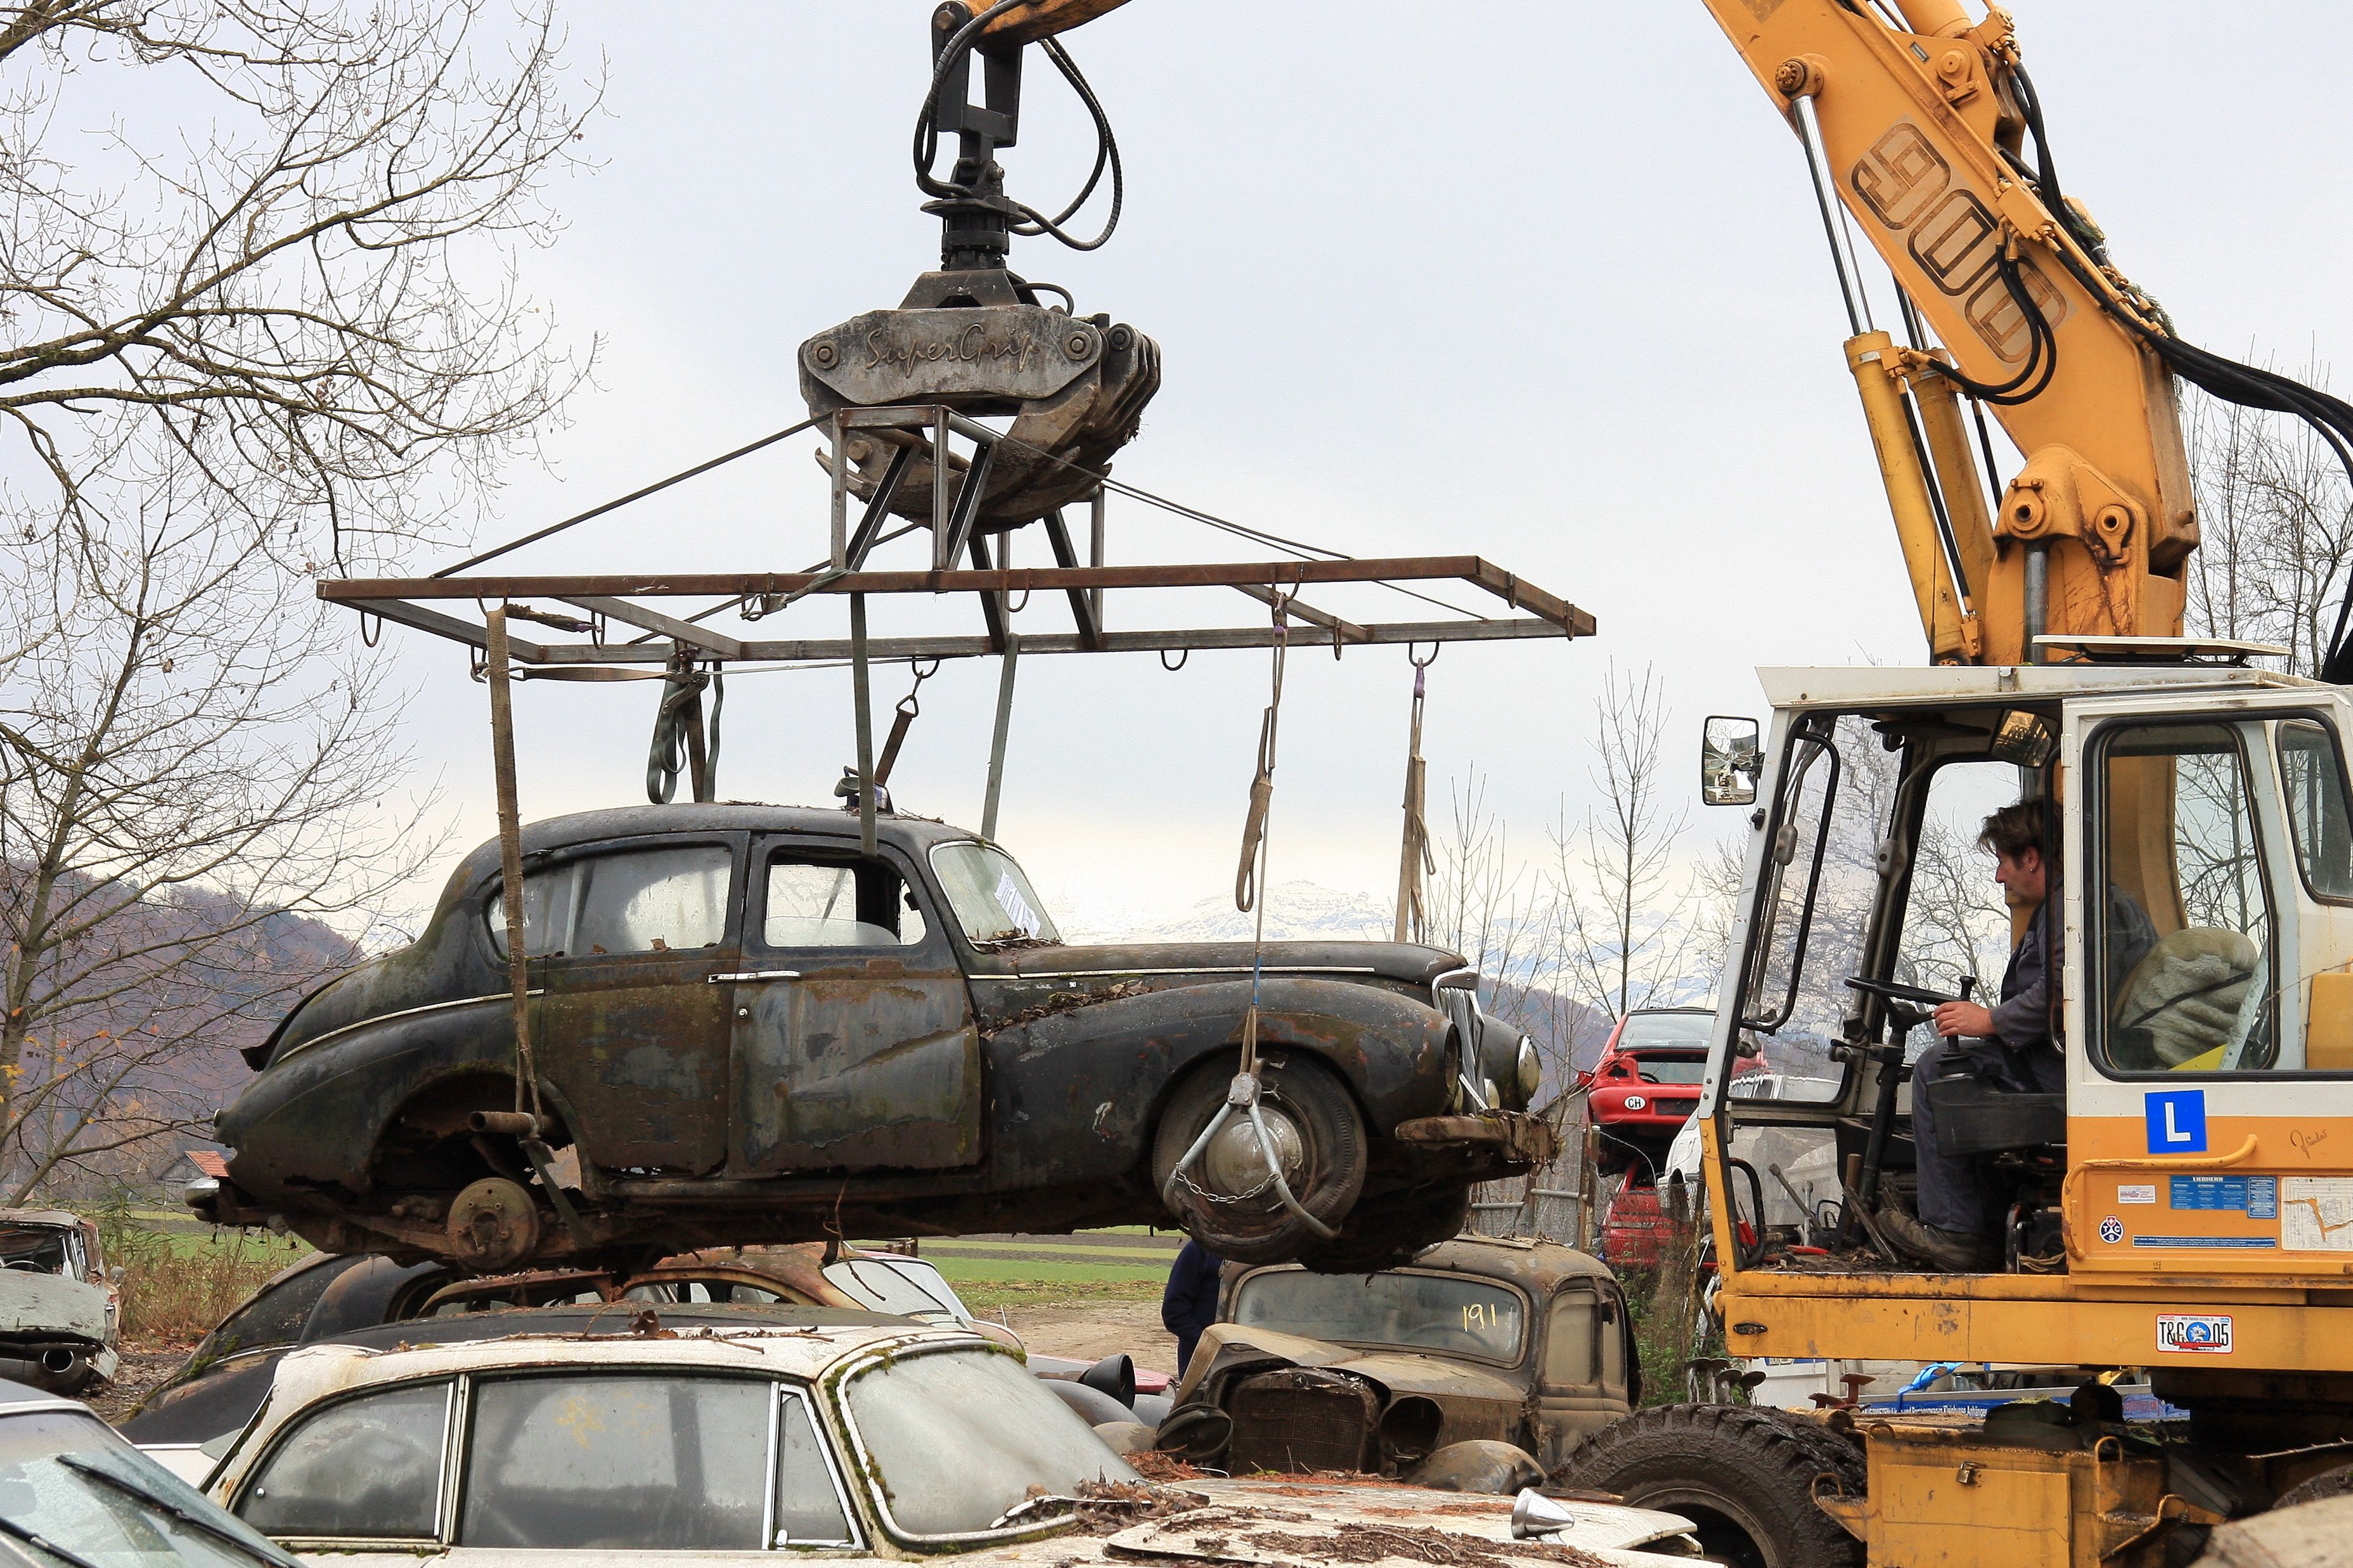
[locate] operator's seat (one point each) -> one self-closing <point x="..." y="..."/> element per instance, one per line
<point x="2181" y="1002"/>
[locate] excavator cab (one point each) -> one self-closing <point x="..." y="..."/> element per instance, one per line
<point x="2201" y="851"/>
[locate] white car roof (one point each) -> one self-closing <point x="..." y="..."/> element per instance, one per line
<point x="313" y="1372"/>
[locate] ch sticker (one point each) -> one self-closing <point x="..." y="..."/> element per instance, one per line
<point x="2176" y="1122"/>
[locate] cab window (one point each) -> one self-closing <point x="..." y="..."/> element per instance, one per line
<point x="668" y="900"/>
<point x="1568" y="1340"/>
<point x="2312" y="783"/>
<point x="367" y="1468"/>
<point x="2182" y="940"/>
<point x="817" y="903"/>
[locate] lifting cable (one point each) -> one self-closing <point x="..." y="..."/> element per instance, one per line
<point x="1414" y="860"/>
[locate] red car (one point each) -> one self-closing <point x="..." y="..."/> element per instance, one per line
<point x="1647" y="1083"/>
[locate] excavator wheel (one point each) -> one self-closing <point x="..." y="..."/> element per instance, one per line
<point x="1745" y="1477"/>
<point x="1390" y="1231"/>
<point x="1224" y="1200"/>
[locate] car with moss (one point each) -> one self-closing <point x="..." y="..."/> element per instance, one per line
<point x="833" y="1440"/>
<point x="745" y="1028"/>
<point x="1479" y="1341"/>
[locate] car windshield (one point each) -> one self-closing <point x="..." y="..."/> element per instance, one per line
<point x="1666" y="1029"/>
<point x="68" y="1480"/>
<point x="1420" y="1311"/>
<point x="954" y="1438"/>
<point x="992" y="899"/>
<point x="35" y="1249"/>
<point x="906" y="1286"/>
<point x="1670" y="1068"/>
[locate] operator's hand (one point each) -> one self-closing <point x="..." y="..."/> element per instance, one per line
<point x="1964" y="1018"/>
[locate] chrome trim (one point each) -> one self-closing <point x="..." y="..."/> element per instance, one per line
<point x="403" y="1012"/>
<point x="746" y="977"/>
<point x="1469" y="969"/>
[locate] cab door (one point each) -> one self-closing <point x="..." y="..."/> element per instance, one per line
<point x="854" y="1043"/>
<point x="1580" y="1368"/>
<point x="2209" y="1112"/>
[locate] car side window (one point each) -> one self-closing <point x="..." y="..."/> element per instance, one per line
<point x="816" y="902"/>
<point x="616" y="1462"/>
<point x="367" y="1468"/>
<point x="2311" y="778"/>
<point x="668" y="900"/>
<point x="808" y="1496"/>
<point x="1568" y="1340"/>
<point x="276" y="1315"/>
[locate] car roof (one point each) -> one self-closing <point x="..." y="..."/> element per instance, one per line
<point x="1536" y="1266"/>
<point x="913" y="835"/>
<point x="58" y="1217"/>
<point x="13" y="1395"/>
<point x="767" y="1341"/>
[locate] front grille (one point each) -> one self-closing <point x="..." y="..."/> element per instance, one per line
<point x="1301" y="1418"/>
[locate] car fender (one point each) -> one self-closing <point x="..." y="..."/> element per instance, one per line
<point x="1107" y="1067"/>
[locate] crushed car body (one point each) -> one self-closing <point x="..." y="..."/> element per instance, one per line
<point x="877" y="1440"/>
<point x="1479" y="1341"/>
<point x="59" y="1313"/>
<point x="745" y="1031"/>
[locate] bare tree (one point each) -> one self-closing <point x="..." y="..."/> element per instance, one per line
<point x="2276" y="530"/>
<point x="1621" y="906"/>
<point x="265" y="320"/>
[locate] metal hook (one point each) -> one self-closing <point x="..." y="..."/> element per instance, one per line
<point x="365" y="639"/>
<point x="1422" y="663"/>
<point x="1182" y="655"/>
<point x="1013" y="609"/>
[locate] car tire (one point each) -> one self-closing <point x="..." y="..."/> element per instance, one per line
<point x="1743" y="1476"/>
<point x="1389" y="1232"/>
<point x="1329" y="1173"/>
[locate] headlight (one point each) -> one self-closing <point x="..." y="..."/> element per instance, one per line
<point x="1530" y="1072"/>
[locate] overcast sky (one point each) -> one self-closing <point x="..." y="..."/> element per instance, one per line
<point x="1540" y="281"/>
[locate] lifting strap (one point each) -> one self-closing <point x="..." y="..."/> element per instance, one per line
<point x="907" y="711"/>
<point x="1414" y="860"/>
<point x="1248" y="875"/>
<point x="503" y="768"/>
<point x="680" y="744"/>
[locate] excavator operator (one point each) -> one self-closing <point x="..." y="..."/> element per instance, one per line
<point x="2008" y="1045"/>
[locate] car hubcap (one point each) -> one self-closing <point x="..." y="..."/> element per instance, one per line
<point x="1234" y="1163"/>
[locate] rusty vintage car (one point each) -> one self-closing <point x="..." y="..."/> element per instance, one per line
<point x="60" y="1310"/>
<point x="745" y="1030"/>
<point x="1478" y="1340"/>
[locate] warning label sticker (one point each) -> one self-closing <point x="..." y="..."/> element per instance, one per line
<point x="2317" y="1214"/>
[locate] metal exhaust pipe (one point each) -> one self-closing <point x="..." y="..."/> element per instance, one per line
<point x="58" y="1361"/>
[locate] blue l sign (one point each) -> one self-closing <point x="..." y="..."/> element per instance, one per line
<point x="2176" y="1122"/>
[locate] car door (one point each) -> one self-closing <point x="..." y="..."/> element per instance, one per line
<point x="855" y="1047"/>
<point x="1580" y="1368"/>
<point x="632" y="1022"/>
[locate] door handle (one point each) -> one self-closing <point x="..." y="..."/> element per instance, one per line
<point x="748" y="976"/>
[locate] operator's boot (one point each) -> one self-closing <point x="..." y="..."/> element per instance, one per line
<point x="1952" y="1251"/>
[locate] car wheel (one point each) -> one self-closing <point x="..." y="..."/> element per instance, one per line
<point x="1227" y="1200"/>
<point x="1390" y="1232"/>
<point x="1745" y="1478"/>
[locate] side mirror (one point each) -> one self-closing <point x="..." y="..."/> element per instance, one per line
<point x="1728" y="761"/>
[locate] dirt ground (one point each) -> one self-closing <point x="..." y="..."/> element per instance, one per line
<point x="142" y="1367"/>
<point x="1088" y="1331"/>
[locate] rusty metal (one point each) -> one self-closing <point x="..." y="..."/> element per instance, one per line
<point x="998" y="735"/>
<point x="863" y="698"/>
<point x="735" y="1093"/>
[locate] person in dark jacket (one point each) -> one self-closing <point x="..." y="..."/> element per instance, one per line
<point x="1189" y="1304"/>
<point x="2008" y="1045"/>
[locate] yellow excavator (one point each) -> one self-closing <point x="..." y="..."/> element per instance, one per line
<point x="2182" y="1205"/>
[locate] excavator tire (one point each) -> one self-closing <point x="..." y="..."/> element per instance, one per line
<point x="1390" y="1231"/>
<point x="1745" y="1477"/>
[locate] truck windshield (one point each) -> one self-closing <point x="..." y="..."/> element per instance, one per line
<point x="1420" y="1311"/>
<point x="992" y="899"/>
